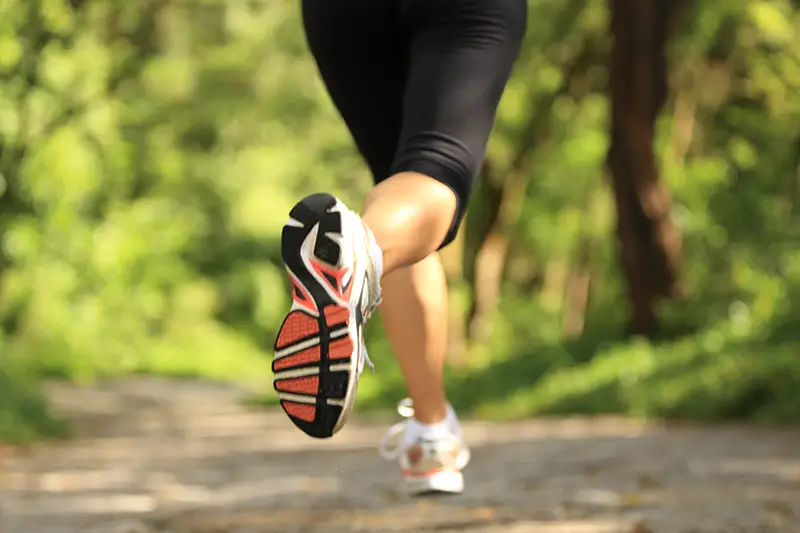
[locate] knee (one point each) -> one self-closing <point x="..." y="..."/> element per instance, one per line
<point x="446" y="160"/>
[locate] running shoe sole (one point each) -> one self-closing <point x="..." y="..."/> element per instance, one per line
<point x="318" y="346"/>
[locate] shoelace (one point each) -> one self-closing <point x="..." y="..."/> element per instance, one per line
<point x="393" y="443"/>
<point x="365" y="360"/>
<point x="375" y="297"/>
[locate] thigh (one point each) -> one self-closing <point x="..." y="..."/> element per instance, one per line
<point x="362" y="60"/>
<point x="461" y="56"/>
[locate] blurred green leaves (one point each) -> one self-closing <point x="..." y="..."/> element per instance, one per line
<point x="151" y="150"/>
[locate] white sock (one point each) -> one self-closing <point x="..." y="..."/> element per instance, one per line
<point x="416" y="430"/>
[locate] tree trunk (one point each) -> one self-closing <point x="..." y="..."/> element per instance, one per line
<point x="650" y="244"/>
<point x="578" y="288"/>
<point x="452" y="260"/>
<point x="794" y="182"/>
<point x="579" y="280"/>
<point x="491" y="256"/>
<point x="503" y="198"/>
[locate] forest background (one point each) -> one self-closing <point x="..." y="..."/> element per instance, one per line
<point x="633" y="246"/>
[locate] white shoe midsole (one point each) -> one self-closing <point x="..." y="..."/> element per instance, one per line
<point x="448" y="481"/>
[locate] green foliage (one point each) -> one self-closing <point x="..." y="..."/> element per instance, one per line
<point x="149" y="152"/>
<point x="24" y="413"/>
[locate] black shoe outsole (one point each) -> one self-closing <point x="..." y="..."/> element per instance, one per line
<point x="312" y="210"/>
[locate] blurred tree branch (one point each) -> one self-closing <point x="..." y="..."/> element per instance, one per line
<point x="505" y="195"/>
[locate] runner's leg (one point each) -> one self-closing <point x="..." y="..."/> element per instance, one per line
<point x="460" y="58"/>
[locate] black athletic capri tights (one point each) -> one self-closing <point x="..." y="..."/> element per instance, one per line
<point x="418" y="81"/>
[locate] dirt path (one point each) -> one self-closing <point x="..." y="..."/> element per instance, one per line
<point x="184" y="457"/>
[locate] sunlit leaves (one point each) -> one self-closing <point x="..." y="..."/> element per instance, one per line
<point x="10" y="51"/>
<point x="170" y="79"/>
<point x="9" y="119"/>
<point x="57" y="16"/>
<point x="773" y="20"/>
<point x="62" y="172"/>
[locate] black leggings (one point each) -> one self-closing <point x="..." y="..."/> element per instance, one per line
<point x="418" y="81"/>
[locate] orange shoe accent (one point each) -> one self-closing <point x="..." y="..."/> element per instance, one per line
<point x="335" y="315"/>
<point x="302" y="411"/>
<point x="297" y="325"/>
<point x="347" y="291"/>
<point x="341" y="348"/>
<point x="427" y="473"/>
<point x="325" y="272"/>
<point x="309" y="355"/>
<point x="301" y="296"/>
<point x="305" y="385"/>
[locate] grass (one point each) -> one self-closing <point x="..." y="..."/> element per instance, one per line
<point x="702" y="376"/>
<point x="710" y="374"/>
<point x="25" y="416"/>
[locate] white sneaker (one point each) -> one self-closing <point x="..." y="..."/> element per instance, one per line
<point x="428" y="466"/>
<point x="319" y="352"/>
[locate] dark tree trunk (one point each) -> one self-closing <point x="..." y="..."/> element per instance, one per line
<point x="650" y="244"/>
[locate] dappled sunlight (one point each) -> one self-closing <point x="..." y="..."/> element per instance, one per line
<point x="64" y="506"/>
<point x="583" y="526"/>
<point x="785" y="469"/>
